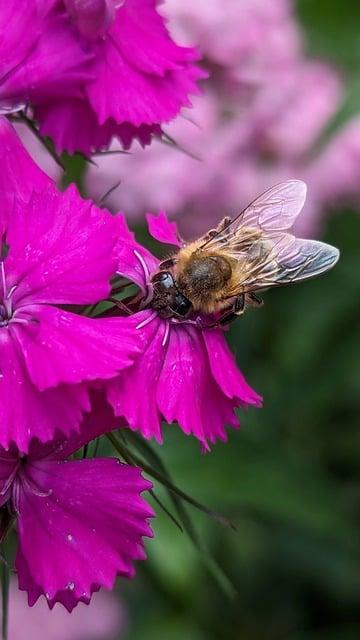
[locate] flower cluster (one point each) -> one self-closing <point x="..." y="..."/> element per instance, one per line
<point x="86" y="516"/>
<point x="68" y="375"/>
<point x="91" y="70"/>
<point x="86" y="349"/>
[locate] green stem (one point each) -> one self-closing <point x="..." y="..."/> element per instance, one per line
<point x="168" y="484"/>
<point x="5" y="585"/>
<point x="176" y="493"/>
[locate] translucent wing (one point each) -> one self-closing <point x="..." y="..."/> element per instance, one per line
<point x="286" y="260"/>
<point x="259" y="240"/>
<point x="275" y="210"/>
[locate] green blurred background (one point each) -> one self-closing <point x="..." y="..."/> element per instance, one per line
<point x="289" y="479"/>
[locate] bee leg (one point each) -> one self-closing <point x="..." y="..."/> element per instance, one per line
<point x="255" y="300"/>
<point x="222" y="226"/>
<point x="237" y="309"/>
<point x="239" y="305"/>
<point x="225" y="225"/>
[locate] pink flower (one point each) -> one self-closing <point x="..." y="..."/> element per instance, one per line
<point x="341" y="161"/>
<point x="265" y="109"/>
<point x="240" y="150"/>
<point x="184" y="373"/>
<point x="56" y="249"/>
<point x="94" y="69"/>
<point x="80" y="523"/>
<point x="287" y="121"/>
<point x="103" y="619"/>
<point x="41" y="58"/>
<point x="251" y="36"/>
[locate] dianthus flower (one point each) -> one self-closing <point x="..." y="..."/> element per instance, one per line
<point x="119" y="72"/>
<point x="56" y="250"/>
<point x="185" y="371"/>
<point x="79" y="522"/>
<point x="40" y="57"/>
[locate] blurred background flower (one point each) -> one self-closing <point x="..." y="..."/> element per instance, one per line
<point x="103" y="619"/>
<point x="263" y="116"/>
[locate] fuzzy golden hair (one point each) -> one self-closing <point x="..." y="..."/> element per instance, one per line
<point x="209" y="278"/>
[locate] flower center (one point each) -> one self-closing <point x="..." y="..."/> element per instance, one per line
<point x="18" y="481"/>
<point x="7" y="313"/>
<point x="4" y="318"/>
<point x="5" y="302"/>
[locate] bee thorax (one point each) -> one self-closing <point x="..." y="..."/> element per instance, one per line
<point x="204" y="275"/>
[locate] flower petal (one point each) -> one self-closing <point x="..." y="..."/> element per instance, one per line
<point x="225" y="371"/>
<point x="19" y="173"/>
<point x="56" y="63"/>
<point x="133" y="261"/>
<point x="162" y="229"/>
<point x="154" y="76"/>
<point x="187" y="392"/>
<point x="141" y="379"/>
<point x="60" y="249"/>
<point x="63" y="347"/>
<point x="9" y="462"/>
<point x="142" y="37"/>
<point x="176" y="382"/>
<point x="98" y="421"/>
<point x="20" y="28"/>
<point x="138" y="98"/>
<point x="73" y="125"/>
<point x="26" y="412"/>
<point x="88" y="520"/>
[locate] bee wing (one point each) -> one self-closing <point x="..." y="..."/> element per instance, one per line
<point x="275" y="210"/>
<point x="284" y="259"/>
<point x="260" y="240"/>
<point x="297" y="260"/>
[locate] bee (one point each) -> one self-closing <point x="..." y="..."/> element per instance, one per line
<point x="222" y="272"/>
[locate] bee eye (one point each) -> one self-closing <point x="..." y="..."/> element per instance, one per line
<point x="165" y="278"/>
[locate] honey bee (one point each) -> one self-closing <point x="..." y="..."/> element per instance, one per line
<point x="222" y="272"/>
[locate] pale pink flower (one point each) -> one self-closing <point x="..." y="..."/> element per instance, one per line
<point x="103" y="619"/>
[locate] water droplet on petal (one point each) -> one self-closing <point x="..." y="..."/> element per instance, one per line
<point x="69" y="537"/>
<point x="70" y="586"/>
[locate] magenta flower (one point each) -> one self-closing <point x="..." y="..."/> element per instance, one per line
<point x="56" y="249"/>
<point x="19" y="175"/>
<point x="79" y="523"/>
<point x="115" y="70"/>
<point x="184" y="373"/>
<point x="40" y="56"/>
